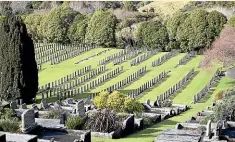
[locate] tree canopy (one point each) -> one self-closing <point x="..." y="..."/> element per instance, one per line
<point x="54" y="26"/>
<point x="152" y="34"/>
<point x="194" y="30"/>
<point x="19" y="75"/>
<point x="101" y="29"/>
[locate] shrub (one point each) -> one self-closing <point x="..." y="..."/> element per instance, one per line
<point x="6" y="113"/>
<point x="9" y="125"/>
<point x="219" y="95"/>
<point x="100" y="101"/>
<point x="53" y="114"/>
<point x="117" y="102"/>
<point x="74" y="122"/>
<point x="132" y="105"/>
<point x="103" y="121"/>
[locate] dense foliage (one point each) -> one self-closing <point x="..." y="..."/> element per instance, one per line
<point x="152" y="34"/>
<point x="117" y="102"/>
<point x="74" y="122"/>
<point x="101" y="29"/>
<point x="77" y="30"/>
<point x="54" y="26"/>
<point x="103" y="121"/>
<point x="195" y="30"/>
<point x="19" y="75"/>
<point x="32" y="22"/>
<point x="224" y="109"/>
<point x="8" y="121"/>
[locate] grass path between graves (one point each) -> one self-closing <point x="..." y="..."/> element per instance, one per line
<point x="54" y="72"/>
<point x="149" y="134"/>
<point x="174" y="77"/>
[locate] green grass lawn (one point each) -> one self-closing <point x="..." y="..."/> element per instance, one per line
<point x="183" y="96"/>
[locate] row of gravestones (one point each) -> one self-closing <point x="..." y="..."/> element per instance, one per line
<point x="164" y="58"/>
<point x="186" y="58"/>
<point x="174" y="88"/>
<point x="65" y="78"/>
<point x="78" y="81"/>
<point x="127" y="80"/>
<point x="111" y="57"/>
<point x="57" y="46"/>
<point x="39" y="67"/>
<point x="97" y="54"/>
<point x="50" y="49"/>
<point x="144" y="57"/>
<point x="66" y="55"/>
<point x="128" y="56"/>
<point x="147" y="84"/>
<point x="71" y="92"/>
<point x="204" y="91"/>
<point x="54" y="53"/>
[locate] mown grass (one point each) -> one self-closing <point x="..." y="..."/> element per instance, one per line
<point x="183" y="96"/>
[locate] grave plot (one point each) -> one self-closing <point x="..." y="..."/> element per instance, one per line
<point x="73" y="80"/>
<point x="186" y="58"/>
<point x="129" y="55"/>
<point x="164" y="58"/>
<point x="58" y="53"/>
<point x="172" y="90"/>
<point x="128" y="75"/>
<point x="73" y="90"/>
<point x="206" y="89"/>
<point x="116" y="86"/>
<point x="112" y="57"/>
<point x="198" y="83"/>
<point x="175" y="76"/>
<point x="144" y="57"/>
<point x="54" y="72"/>
<point x="142" y="86"/>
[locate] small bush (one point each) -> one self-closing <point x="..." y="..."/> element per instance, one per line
<point x="53" y="114"/>
<point x="6" y="113"/>
<point x="10" y="125"/>
<point x="74" y="122"/>
<point x="219" y="95"/>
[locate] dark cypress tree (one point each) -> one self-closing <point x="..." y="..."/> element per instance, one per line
<point x="19" y="74"/>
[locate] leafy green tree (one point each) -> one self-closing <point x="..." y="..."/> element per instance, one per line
<point x="194" y="30"/>
<point x="100" y="101"/>
<point x="32" y="22"/>
<point x="101" y="29"/>
<point x="19" y="74"/>
<point x="152" y="34"/>
<point x="231" y="21"/>
<point x="77" y="31"/>
<point x="172" y="26"/>
<point x="54" y="26"/>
